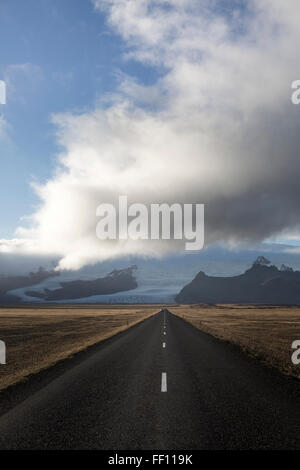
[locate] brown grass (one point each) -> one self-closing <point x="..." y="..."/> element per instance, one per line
<point x="263" y="332"/>
<point x="39" y="337"/>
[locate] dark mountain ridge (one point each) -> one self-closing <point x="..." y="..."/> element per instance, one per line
<point x="262" y="283"/>
<point x="8" y="283"/>
<point x="116" y="281"/>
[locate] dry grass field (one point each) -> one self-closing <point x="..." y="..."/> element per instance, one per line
<point x="263" y="332"/>
<point x="39" y="337"/>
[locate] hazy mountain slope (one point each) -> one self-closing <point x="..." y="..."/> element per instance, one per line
<point x="8" y="283"/>
<point x="116" y="281"/>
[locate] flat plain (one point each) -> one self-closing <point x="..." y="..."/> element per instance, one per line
<point x="37" y="337"/>
<point x="264" y="332"/>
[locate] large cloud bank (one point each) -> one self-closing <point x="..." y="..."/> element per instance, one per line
<point x="217" y="127"/>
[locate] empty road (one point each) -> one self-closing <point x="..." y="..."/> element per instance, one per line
<point x="161" y="384"/>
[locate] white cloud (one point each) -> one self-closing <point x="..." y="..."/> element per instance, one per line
<point x="217" y="127"/>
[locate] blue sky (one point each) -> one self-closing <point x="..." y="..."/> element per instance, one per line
<point x="56" y="55"/>
<point x="206" y="118"/>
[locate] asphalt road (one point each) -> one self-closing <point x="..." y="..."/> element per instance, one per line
<point x="131" y="392"/>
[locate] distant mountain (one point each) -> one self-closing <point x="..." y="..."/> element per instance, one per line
<point x="158" y="280"/>
<point x="262" y="283"/>
<point x="6" y="299"/>
<point x="116" y="281"/>
<point x="8" y="283"/>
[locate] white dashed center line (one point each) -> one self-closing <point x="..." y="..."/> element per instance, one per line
<point x="164" y="345"/>
<point x="164" y="382"/>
